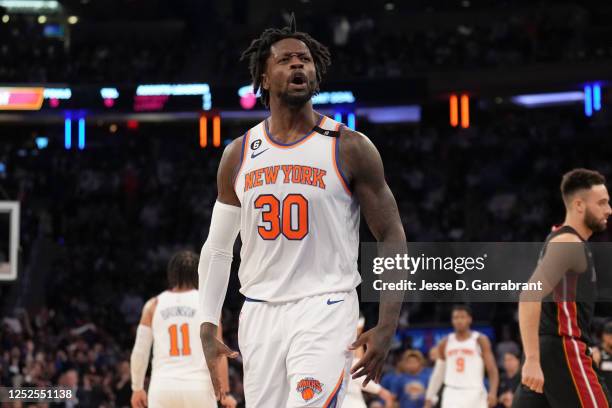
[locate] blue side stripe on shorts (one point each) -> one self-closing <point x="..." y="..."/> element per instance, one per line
<point x="248" y="299"/>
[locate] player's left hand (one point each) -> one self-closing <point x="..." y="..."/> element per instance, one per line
<point x="377" y="341"/>
<point x="214" y="349"/>
<point x="139" y="399"/>
<point x="492" y="400"/>
<point x="229" y="402"/>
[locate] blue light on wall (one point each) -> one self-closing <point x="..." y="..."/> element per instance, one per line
<point x="588" y="101"/>
<point x="81" y="133"/>
<point x="68" y="133"/>
<point x="350" y="120"/>
<point x="42" y="142"/>
<point x="597" y="97"/>
<point x="338" y="117"/>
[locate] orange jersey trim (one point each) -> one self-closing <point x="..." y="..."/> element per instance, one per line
<point x="334" y="393"/>
<point x="245" y="144"/>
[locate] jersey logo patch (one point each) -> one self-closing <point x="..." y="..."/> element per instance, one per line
<point x="254" y="155"/>
<point x="255" y="144"/>
<point x="309" y="387"/>
<point x="333" y="302"/>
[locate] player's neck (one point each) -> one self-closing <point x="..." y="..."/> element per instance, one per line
<point x="288" y="124"/>
<point x="463" y="335"/>
<point x="582" y="230"/>
<point x="180" y="289"/>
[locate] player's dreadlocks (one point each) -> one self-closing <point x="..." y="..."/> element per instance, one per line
<point x="259" y="51"/>
<point x="183" y="270"/>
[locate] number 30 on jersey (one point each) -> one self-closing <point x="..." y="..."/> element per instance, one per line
<point x="289" y="217"/>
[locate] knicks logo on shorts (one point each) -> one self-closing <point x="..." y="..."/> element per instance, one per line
<point x="309" y="387"/>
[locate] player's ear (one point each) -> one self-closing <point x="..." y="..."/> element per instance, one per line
<point x="579" y="203"/>
<point x="265" y="82"/>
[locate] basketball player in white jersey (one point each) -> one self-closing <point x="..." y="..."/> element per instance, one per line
<point x="293" y="186"/>
<point x="464" y="355"/>
<point x="171" y="323"/>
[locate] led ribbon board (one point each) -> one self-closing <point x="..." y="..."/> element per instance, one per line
<point x="21" y="98"/>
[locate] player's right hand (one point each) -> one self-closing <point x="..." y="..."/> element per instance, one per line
<point x="532" y="376"/>
<point x="214" y="350"/>
<point x="377" y="341"/>
<point x="139" y="399"/>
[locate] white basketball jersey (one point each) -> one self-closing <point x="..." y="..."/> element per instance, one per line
<point x="177" y="351"/>
<point x="464" y="363"/>
<point x="299" y="221"/>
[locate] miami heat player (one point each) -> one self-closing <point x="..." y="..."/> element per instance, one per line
<point x="558" y="371"/>
<point x="464" y="355"/>
<point x="293" y="186"/>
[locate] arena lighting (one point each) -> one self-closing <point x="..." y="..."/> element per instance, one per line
<point x="109" y="93"/>
<point x="217" y="131"/>
<point x="454" y="110"/>
<point x="6" y="18"/>
<point x="392" y="114"/>
<point x="174" y="90"/>
<point x="338" y="117"/>
<point x="73" y="20"/>
<point x="178" y="90"/>
<point x="247" y="98"/>
<point x="597" y="97"/>
<point x="42" y="142"/>
<point x="465" y="111"/>
<point x="30" y="5"/>
<point x="588" y="100"/>
<point x="57" y="93"/>
<point x="385" y="114"/>
<point x="324" y="98"/>
<point x="21" y="98"/>
<point x="42" y="19"/>
<point x="551" y="98"/>
<point x="350" y="120"/>
<point x="68" y="132"/>
<point x="247" y="89"/>
<point x="206" y="101"/>
<point x="81" y="133"/>
<point x="203" y="131"/>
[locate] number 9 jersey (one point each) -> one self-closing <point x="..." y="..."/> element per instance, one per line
<point x="299" y="221"/>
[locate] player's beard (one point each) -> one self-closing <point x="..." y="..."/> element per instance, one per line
<point x="300" y="99"/>
<point x="593" y="223"/>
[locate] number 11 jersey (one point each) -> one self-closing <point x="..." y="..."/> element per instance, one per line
<point x="177" y="351"/>
<point x="299" y="220"/>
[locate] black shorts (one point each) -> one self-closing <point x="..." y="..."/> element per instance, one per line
<point x="570" y="378"/>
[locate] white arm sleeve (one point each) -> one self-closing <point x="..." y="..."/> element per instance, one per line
<point x="435" y="381"/>
<point x="140" y="356"/>
<point x="216" y="260"/>
<point x="372" y="387"/>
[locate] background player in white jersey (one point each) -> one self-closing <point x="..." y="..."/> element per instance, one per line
<point x="293" y="186"/>
<point x="463" y="357"/>
<point x="170" y="323"/>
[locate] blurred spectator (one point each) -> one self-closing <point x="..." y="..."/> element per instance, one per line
<point x="410" y="386"/>
<point x="510" y="378"/>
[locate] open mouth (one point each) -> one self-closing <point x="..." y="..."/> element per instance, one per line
<point x="299" y="79"/>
